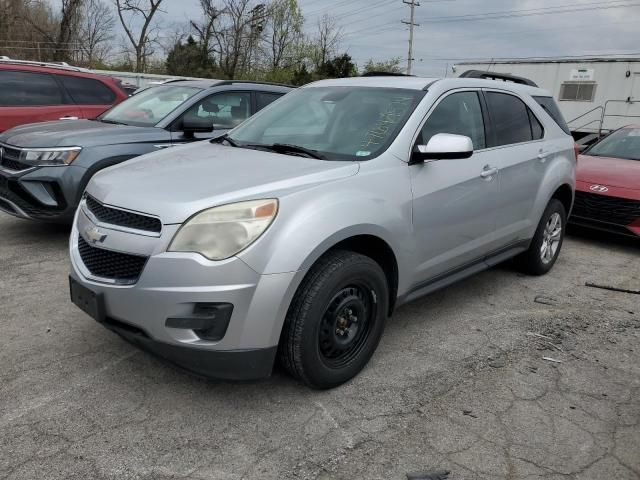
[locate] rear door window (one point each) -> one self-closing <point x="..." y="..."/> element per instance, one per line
<point x="550" y="106"/>
<point x="265" y="98"/>
<point x="28" y="89"/>
<point x="510" y="118"/>
<point x="87" y="91"/>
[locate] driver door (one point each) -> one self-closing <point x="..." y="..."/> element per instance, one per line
<point x="454" y="201"/>
<point x="225" y="110"/>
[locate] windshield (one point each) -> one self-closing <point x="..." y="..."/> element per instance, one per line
<point x="337" y="123"/>
<point x="148" y="107"/>
<point x="624" y="143"/>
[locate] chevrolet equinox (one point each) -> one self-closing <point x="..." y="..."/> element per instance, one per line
<point x="295" y="236"/>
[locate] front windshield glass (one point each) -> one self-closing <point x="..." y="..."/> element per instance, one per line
<point x="147" y="108"/>
<point x="624" y="143"/>
<point x="339" y="123"/>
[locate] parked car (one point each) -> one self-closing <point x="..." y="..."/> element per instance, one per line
<point x="302" y="229"/>
<point x="45" y="167"/>
<point x="33" y="92"/>
<point x="608" y="184"/>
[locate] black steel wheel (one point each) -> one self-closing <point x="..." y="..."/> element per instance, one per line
<point x="335" y="320"/>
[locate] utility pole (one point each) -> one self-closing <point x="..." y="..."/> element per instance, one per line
<point x="413" y="4"/>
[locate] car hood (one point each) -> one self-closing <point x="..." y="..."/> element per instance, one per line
<point x="178" y="182"/>
<point x="608" y="171"/>
<point x="83" y="133"/>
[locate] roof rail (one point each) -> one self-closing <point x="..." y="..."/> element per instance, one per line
<point x="253" y="82"/>
<point x="60" y="65"/>
<point x="385" y="74"/>
<point x="505" y="77"/>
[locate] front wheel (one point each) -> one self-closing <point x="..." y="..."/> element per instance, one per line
<point x="547" y="241"/>
<point x="335" y="320"/>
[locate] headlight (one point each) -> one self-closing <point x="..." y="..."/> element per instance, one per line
<point x="43" y="157"/>
<point x="221" y="232"/>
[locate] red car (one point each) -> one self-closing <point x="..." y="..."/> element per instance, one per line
<point x="608" y="184"/>
<point x="33" y="92"/>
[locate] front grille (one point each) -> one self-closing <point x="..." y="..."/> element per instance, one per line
<point x="115" y="216"/>
<point x="615" y="210"/>
<point x="109" y="264"/>
<point x="11" y="159"/>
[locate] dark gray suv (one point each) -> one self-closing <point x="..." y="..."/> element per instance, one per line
<point x="45" y="167"/>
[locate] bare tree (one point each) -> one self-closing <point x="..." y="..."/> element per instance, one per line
<point x="67" y="33"/>
<point x="132" y="11"/>
<point x="205" y="30"/>
<point x="285" y="24"/>
<point x="96" y="31"/>
<point x="327" y="42"/>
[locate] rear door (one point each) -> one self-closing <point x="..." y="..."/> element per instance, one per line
<point x="454" y="201"/>
<point x="518" y="150"/>
<point x="30" y="97"/>
<point x="92" y="96"/>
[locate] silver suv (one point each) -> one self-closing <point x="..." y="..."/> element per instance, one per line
<point x="297" y="234"/>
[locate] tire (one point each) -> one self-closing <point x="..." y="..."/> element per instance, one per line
<point x="335" y="320"/>
<point x="542" y="255"/>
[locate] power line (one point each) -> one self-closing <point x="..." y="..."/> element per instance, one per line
<point x="375" y="29"/>
<point x="412" y="4"/>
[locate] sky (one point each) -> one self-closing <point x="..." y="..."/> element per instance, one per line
<point x="450" y="30"/>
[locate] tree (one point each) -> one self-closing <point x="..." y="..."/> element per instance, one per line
<point x="67" y="32"/>
<point x="339" y="67"/>
<point x="393" y="65"/>
<point x="327" y="41"/>
<point x="206" y="28"/>
<point x="96" y="31"/>
<point x="186" y="60"/>
<point x="131" y="12"/>
<point x="285" y="22"/>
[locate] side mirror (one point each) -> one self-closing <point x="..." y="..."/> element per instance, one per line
<point x="443" y="146"/>
<point x="194" y="124"/>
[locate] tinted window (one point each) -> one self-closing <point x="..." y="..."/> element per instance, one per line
<point x="28" y="89"/>
<point x="510" y="118"/>
<point x="552" y="109"/>
<point x="87" y="91"/>
<point x="460" y="114"/>
<point x="263" y="99"/>
<point x="536" y="127"/>
<point x="226" y="110"/>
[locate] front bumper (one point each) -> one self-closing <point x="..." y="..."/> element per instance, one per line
<point x="41" y="193"/>
<point x="173" y="285"/>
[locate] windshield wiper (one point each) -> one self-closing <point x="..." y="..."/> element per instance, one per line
<point x="225" y="138"/>
<point x="287" y="148"/>
<point x="114" y="122"/>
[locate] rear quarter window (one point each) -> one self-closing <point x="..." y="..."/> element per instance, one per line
<point x="28" y="89"/>
<point x="549" y="105"/>
<point x="87" y="91"/>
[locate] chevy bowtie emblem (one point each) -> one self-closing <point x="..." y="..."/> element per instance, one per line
<point x="94" y="235"/>
<point x="598" y="188"/>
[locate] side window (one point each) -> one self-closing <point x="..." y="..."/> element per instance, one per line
<point x="87" y="91"/>
<point x="264" y="98"/>
<point x="226" y="110"/>
<point x="537" y="130"/>
<point x="459" y="113"/>
<point x="28" y="89"/>
<point x="510" y="118"/>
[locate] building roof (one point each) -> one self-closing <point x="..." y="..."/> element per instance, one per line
<point x="503" y="61"/>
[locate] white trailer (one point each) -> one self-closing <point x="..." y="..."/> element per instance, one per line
<point x="595" y="95"/>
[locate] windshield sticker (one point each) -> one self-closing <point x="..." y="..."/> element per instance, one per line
<point x="362" y="153"/>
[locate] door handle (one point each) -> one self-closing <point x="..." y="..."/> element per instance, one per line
<point x="488" y="172"/>
<point x="68" y="118"/>
<point x="542" y="155"/>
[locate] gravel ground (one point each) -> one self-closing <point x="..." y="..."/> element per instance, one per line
<point x="459" y="383"/>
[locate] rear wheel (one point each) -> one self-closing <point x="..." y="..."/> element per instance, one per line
<point x="335" y="320"/>
<point x="547" y="241"/>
